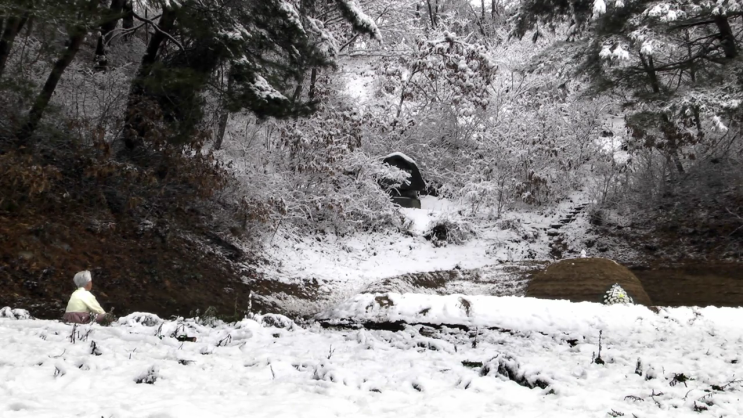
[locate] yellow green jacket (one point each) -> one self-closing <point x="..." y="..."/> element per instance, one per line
<point x="84" y="301"/>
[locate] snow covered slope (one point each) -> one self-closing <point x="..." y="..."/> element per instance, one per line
<point x="677" y="363"/>
<point x="346" y="265"/>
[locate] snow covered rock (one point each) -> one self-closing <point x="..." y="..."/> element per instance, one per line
<point x="142" y="318"/>
<point x="277" y="321"/>
<point x="6" y="312"/>
<point x="507" y="367"/>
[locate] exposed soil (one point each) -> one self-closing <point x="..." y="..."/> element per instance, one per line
<point x="132" y="271"/>
<point x="694" y="284"/>
<point x="493" y="280"/>
<point x="585" y="280"/>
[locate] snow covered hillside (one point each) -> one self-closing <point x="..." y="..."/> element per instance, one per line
<point x="490" y="356"/>
<point x="499" y="250"/>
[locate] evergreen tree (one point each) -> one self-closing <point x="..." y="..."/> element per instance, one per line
<point x="78" y="16"/>
<point x="263" y="48"/>
<point x="678" y="62"/>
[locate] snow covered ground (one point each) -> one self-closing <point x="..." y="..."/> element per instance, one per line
<point x="520" y="358"/>
<point x="516" y="236"/>
<point x="344" y="266"/>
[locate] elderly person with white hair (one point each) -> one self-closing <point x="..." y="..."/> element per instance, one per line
<point x="82" y="303"/>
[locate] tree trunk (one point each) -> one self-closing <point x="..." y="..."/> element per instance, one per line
<point x="431" y="15"/>
<point x="127" y="21"/>
<point x="482" y="9"/>
<point x="107" y="28"/>
<point x="42" y="100"/>
<point x="313" y="81"/>
<point x="674" y="141"/>
<point x="698" y="122"/>
<point x="647" y="63"/>
<point x="223" y="118"/>
<point x="132" y="132"/>
<point x="727" y="38"/>
<point x="677" y="162"/>
<point x="13" y="26"/>
<point x="114" y="14"/>
<point x="690" y="54"/>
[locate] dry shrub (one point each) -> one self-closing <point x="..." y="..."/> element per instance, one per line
<point x="23" y="180"/>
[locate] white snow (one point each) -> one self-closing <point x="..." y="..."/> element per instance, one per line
<point x="346" y="265"/>
<point x="362" y="19"/>
<point x="401" y="155"/>
<point x="264" y="90"/>
<point x="620" y="53"/>
<point x="718" y="124"/>
<point x="613" y="146"/>
<point x="251" y="368"/>
<point x="647" y="48"/>
<point x="291" y="14"/>
<point x="599" y="7"/>
<point x="665" y="12"/>
<point x="605" y="52"/>
<point x="357" y="86"/>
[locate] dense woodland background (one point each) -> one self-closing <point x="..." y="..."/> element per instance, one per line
<point x="162" y="143"/>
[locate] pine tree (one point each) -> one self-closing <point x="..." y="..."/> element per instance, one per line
<point x="264" y="48"/>
<point x="78" y="16"/>
<point x="677" y="61"/>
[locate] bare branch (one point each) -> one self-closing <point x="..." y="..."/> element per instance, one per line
<point x="157" y="28"/>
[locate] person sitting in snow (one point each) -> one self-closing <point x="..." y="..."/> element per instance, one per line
<point x="83" y="307"/>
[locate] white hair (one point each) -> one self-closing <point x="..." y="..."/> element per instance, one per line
<point x="82" y="278"/>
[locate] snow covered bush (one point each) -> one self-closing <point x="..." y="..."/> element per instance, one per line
<point x="450" y="230"/>
<point x="616" y="295"/>
<point x="149" y="377"/>
<point x="521" y="132"/>
<point x="312" y="174"/>
<point x="505" y="366"/>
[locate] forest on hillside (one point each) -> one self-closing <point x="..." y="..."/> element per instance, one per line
<point x="170" y="140"/>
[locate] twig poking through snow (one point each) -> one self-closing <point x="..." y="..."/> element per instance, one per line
<point x="330" y="351"/>
<point x="72" y="335"/>
<point x="63" y="351"/>
<point x="598" y="359"/>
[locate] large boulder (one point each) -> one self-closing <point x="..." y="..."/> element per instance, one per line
<point x="585" y="280"/>
<point x="405" y="195"/>
<point x="405" y="163"/>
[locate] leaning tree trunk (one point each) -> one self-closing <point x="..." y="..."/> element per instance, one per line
<point x="224" y="116"/>
<point x="133" y="131"/>
<point x="727" y="38"/>
<point x="105" y="35"/>
<point x="42" y="100"/>
<point x="77" y="36"/>
<point x="13" y="26"/>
